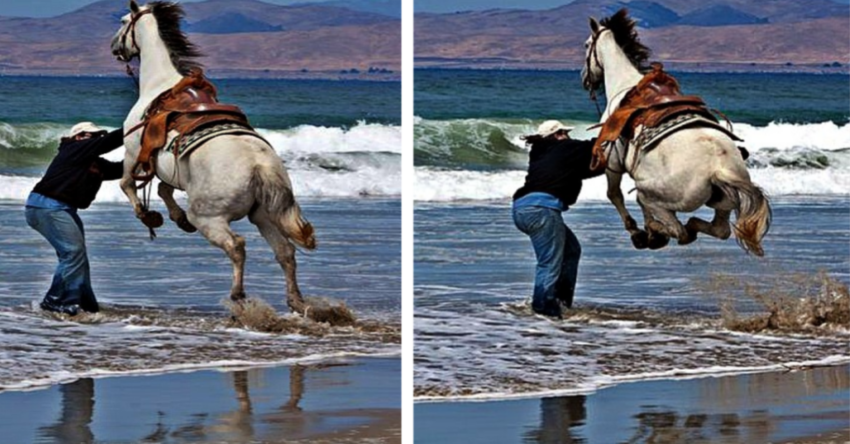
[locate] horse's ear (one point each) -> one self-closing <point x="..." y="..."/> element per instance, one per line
<point x="594" y="26"/>
<point x="134" y="7"/>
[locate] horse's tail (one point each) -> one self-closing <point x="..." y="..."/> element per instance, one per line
<point x="752" y="210"/>
<point x="273" y="192"/>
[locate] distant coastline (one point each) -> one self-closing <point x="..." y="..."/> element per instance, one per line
<point x="225" y="74"/>
<point x="428" y="63"/>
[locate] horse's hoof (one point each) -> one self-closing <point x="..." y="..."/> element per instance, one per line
<point x="640" y="240"/>
<point x="185" y="225"/>
<point x="152" y="219"/>
<point x="690" y="238"/>
<point x="238" y="297"/>
<point x="658" y="241"/>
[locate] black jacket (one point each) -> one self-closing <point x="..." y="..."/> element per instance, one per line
<point x="558" y="167"/>
<point x="75" y="174"/>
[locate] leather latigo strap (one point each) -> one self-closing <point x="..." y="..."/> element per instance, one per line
<point x="653" y="100"/>
<point x="188" y="106"/>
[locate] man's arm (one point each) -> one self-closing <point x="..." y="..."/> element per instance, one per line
<point x="588" y="146"/>
<point x="89" y="149"/>
<point x="111" y="170"/>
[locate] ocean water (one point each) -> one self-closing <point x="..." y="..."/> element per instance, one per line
<point x="338" y="138"/>
<point x="163" y="301"/>
<point x="639" y="314"/>
<point x="469" y="123"/>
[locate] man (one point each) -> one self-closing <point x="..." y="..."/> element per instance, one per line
<point x="557" y="166"/>
<point x="71" y="183"/>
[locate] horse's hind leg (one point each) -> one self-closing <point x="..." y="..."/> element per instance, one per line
<point x="217" y="231"/>
<point x="284" y="253"/>
<point x="718" y="227"/>
<point x="175" y="213"/>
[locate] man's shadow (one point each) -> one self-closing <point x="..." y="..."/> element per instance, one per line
<point x="73" y="426"/>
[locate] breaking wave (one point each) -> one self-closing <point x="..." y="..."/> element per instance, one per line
<point x="482" y="159"/>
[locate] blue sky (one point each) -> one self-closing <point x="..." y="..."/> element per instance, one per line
<point x="46" y="8"/>
<point x="49" y="8"/>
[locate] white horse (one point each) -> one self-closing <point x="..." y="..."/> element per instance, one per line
<point x="692" y="167"/>
<point x="226" y="179"/>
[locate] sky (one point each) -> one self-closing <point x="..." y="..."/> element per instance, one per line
<point x="47" y="8"/>
<point x="50" y="8"/>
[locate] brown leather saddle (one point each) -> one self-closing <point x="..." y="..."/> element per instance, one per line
<point x="656" y="98"/>
<point x="190" y="105"/>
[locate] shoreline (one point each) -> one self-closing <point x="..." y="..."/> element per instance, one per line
<point x="808" y="405"/>
<point x="611" y="382"/>
<point x="340" y="401"/>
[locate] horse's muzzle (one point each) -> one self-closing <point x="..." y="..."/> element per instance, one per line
<point x="120" y="55"/>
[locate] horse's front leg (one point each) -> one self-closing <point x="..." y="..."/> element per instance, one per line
<point x="175" y="213"/>
<point x="664" y="222"/>
<point x="128" y="185"/>
<point x="655" y="235"/>
<point x="615" y="195"/>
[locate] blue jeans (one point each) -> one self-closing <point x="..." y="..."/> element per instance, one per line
<point x="558" y="253"/>
<point x="72" y="280"/>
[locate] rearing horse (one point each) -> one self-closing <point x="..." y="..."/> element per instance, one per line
<point x="228" y="177"/>
<point x="694" y="166"/>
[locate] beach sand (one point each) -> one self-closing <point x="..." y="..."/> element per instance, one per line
<point x="806" y="406"/>
<point x="353" y="400"/>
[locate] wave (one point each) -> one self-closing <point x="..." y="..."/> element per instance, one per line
<point x="364" y="160"/>
<point x="485" y="159"/>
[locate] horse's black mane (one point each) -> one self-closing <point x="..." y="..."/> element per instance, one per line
<point x="183" y="52"/>
<point x="623" y="28"/>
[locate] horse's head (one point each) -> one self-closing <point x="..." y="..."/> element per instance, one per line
<point x="125" y="45"/>
<point x="622" y="28"/>
<point x="156" y="20"/>
<point x="592" y="73"/>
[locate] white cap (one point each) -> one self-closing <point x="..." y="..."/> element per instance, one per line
<point x="84" y="127"/>
<point x="550" y="127"/>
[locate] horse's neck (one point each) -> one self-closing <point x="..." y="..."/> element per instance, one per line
<point x="156" y="72"/>
<point x="620" y="74"/>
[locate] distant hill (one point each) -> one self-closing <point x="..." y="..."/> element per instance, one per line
<point x="753" y="35"/>
<point x="719" y="15"/>
<point x="230" y="23"/>
<point x="240" y="37"/>
<point x="390" y="8"/>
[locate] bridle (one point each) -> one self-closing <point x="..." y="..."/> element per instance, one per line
<point x="587" y="68"/>
<point x="131" y="30"/>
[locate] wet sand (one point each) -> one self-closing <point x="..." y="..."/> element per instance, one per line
<point x="807" y="406"/>
<point x="351" y="400"/>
